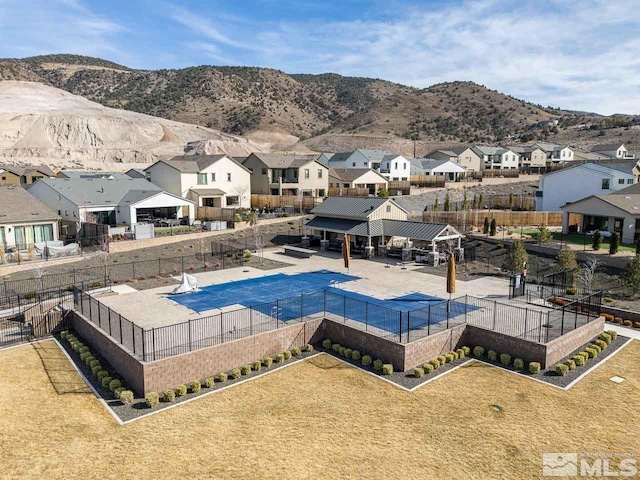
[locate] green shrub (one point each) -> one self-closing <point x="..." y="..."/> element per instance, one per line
<point x="570" y="364"/>
<point x="455" y="355"/>
<point x="492" y="355"/>
<point x="387" y="369"/>
<point x="235" y="373"/>
<point x="428" y="368"/>
<point x="596" y="348"/>
<point x="466" y="350"/>
<point x="585" y="354"/>
<point x="267" y="361"/>
<point x="151" y="399"/>
<point x="326" y="343"/>
<point x="348" y="352"/>
<point x="88" y="359"/>
<point x="96" y="369"/>
<point x="355" y="355"/>
<point x="518" y="364"/>
<point x="126" y="396"/>
<point x="571" y="290"/>
<point x="377" y="365"/>
<point x="195" y="386"/>
<point x="366" y="360"/>
<point x="461" y="353"/>
<point x="106" y="381"/>
<point x="478" y="351"/>
<point x="605" y="337"/>
<point x="505" y="359"/>
<point x="534" y="367"/>
<point x="308" y="347"/>
<point x="84" y="355"/>
<point x="279" y="358"/>
<point x="562" y="369"/>
<point x="286" y="354"/>
<point x="341" y="351"/>
<point x="296" y="352"/>
<point x="442" y="359"/>
<point x="601" y="343"/>
<point x="181" y="390"/>
<point x="209" y="382"/>
<point x="94" y="363"/>
<point x="246" y="370"/>
<point x="256" y="366"/>
<point x="579" y="360"/>
<point x="102" y="374"/>
<point x="118" y="391"/>
<point x="418" y="372"/>
<point x="82" y="350"/>
<point x="612" y="333"/>
<point x="168" y="396"/>
<point x="336" y="347"/>
<point x="607" y="299"/>
<point x="592" y="352"/>
<point x="222" y="377"/>
<point x="64" y="334"/>
<point x="448" y="358"/>
<point x="113" y="384"/>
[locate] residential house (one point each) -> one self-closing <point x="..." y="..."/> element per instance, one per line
<point x="556" y="153"/>
<point x="392" y="166"/>
<point x="206" y="180"/>
<point x="287" y="174"/>
<point x="87" y="174"/>
<point x="580" y="156"/>
<point x="24" y="220"/>
<point x="574" y="183"/>
<point x="325" y="157"/>
<point x="23" y="176"/>
<point x="618" y="212"/>
<point x="110" y="201"/>
<point x="497" y="158"/>
<point x="357" y="178"/>
<point x="466" y="157"/>
<point x="444" y="168"/>
<point x="612" y="150"/>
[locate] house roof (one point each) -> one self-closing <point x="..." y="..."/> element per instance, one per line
<point x="349" y="175"/>
<point x="96" y="175"/>
<point x="630" y="190"/>
<point x="459" y="150"/>
<point x="22" y="170"/>
<point x="371" y="155"/>
<point x="628" y="203"/>
<point x="101" y="191"/>
<point x="488" y="150"/>
<point x="603" y="167"/>
<point x="207" y="191"/>
<point x="19" y="206"/>
<point x="354" y="207"/>
<point x="195" y="163"/>
<point x="285" y="160"/>
<point x="549" y="147"/>
<point x="607" y="147"/>
<point x="375" y="228"/>
<point x="428" y="164"/>
<point x="580" y="155"/>
<point x="135" y="173"/>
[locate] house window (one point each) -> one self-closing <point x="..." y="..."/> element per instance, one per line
<point x="395" y="165"/>
<point x="59" y="212"/>
<point x="605" y="184"/>
<point x="366" y="164"/>
<point x="306" y="173"/>
<point x="264" y="171"/>
<point x="353" y="164"/>
<point x="213" y="177"/>
<point x="388" y="208"/>
<point x="202" y="179"/>
<point x="404" y="166"/>
<point x="621" y="181"/>
<point x="321" y="192"/>
<point x="228" y="177"/>
<point x="563" y="152"/>
<point x="387" y="165"/>
<point x="31" y="234"/>
<point x="233" y="201"/>
<point x="319" y="173"/>
<point x="629" y="181"/>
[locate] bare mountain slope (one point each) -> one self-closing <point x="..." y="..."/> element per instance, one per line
<point x="43" y="124"/>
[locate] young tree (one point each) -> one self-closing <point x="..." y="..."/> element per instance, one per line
<point x="436" y="207"/>
<point x="587" y="272"/>
<point x="493" y="228"/>
<point x="447" y="203"/>
<point x="480" y="201"/>
<point x="614" y="243"/>
<point x="511" y="200"/>
<point x="567" y="259"/>
<point x="485" y="227"/>
<point x="464" y="201"/>
<point x="631" y="275"/>
<point x="516" y="257"/>
<point x="475" y="201"/>
<point x="383" y="192"/>
<point x="597" y="240"/>
<point x="543" y="235"/>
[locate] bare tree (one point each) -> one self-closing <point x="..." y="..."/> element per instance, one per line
<point x="587" y="272"/>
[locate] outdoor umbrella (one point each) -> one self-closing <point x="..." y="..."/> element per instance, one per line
<point x="346" y="251"/>
<point x="451" y="275"/>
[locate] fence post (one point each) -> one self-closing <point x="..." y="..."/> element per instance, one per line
<point x="133" y="335"/>
<point x="301" y="306"/>
<point x="221" y="330"/>
<point x="495" y="311"/>
<point x="344" y="309"/>
<point x="189" y="327"/>
<point x="366" y="316"/>
<point x="109" y="319"/>
<point x="90" y="316"/>
<point x="562" y="323"/>
<point x="251" y="320"/>
<point x="400" y="322"/>
<point x="120" y="329"/>
<point x="448" y="309"/>
<point x="277" y="312"/>
<point x="526" y="314"/>
<point x="144" y="348"/>
<point x="408" y="327"/>
<point x="153" y="341"/>
<point x="429" y="320"/>
<point x="466" y="299"/>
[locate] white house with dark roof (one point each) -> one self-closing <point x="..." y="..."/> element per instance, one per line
<point x="392" y="166"/>
<point x="207" y="180"/>
<point x="357" y="178"/>
<point x="498" y="158"/>
<point x="287" y="174"/>
<point x="556" y="153"/>
<point x="466" y="157"/>
<point x="571" y="184"/>
<point x="612" y="150"/>
<point x="24" y="220"/>
<point x="431" y="167"/>
<point x="110" y="201"/>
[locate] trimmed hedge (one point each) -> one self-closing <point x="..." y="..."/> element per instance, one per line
<point x="612" y="333"/>
<point x="466" y="350"/>
<point x="151" y="399"/>
<point x="279" y="358"/>
<point x="168" y="396"/>
<point x="106" y="381"/>
<point x="336" y="347"/>
<point x="326" y="343"/>
<point x="428" y="368"/>
<point x="518" y="364"/>
<point x="296" y="352"/>
<point x="377" y="365"/>
<point x="366" y="360"/>
<point x="561" y="369"/>
<point x="267" y="361"/>
<point x="605" y="337"/>
<point x="286" y="354"/>
<point x="308" y="347"/>
<point x="579" y="360"/>
<point x="571" y="364"/>
<point x="356" y="355"/>
<point x="387" y="369"/>
<point x="195" y="386"/>
<point x="418" y="372"/>
<point x="348" y="352"/>
<point x="434" y="363"/>
<point x="442" y="359"/>
<point x="181" y="390"/>
<point x="341" y="351"/>
<point x="222" y="377"/>
<point x="245" y="370"/>
<point x="534" y="368"/>
<point x="256" y="366"/>
<point x="601" y="343"/>
<point x="592" y="352"/>
<point x="113" y="384"/>
<point x="102" y="374"/>
<point x="235" y="373"/>
<point x="97" y="369"/>
<point x="448" y="358"/>
<point x="478" y="351"/>
<point x="505" y="359"/>
<point x="118" y="391"/>
<point x="492" y="355"/>
<point x="95" y="363"/>
<point x="209" y="382"/>
<point x="461" y="353"/>
<point x="126" y="396"/>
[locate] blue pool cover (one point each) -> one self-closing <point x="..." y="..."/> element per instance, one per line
<point x="289" y="297"/>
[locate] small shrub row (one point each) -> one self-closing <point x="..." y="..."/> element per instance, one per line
<point x="356" y="355"/>
<point x="620" y="321"/>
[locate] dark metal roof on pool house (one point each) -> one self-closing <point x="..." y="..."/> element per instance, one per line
<point x="351" y="207"/>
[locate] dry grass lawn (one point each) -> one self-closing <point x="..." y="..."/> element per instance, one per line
<point x="316" y="419"/>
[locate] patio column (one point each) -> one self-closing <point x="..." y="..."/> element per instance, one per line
<point x="565" y="222"/>
<point x="324" y="243"/>
<point x="368" y="250"/>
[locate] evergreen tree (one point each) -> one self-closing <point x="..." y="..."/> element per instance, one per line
<point x="485" y="227"/>
<point x="516" y="257"/>
<point x="436" y="207"/>
<point x="614" y="243"/>
<point x="480" y="205"/>
<point x="567" y="259"/>
<point x="475" y="201"/>
<point x="493" y="228"/>
<point x="447" y="203"/>
<point x="631" y="275"/>
<point x="511" y="200"/>
<point x="597" y="240"/>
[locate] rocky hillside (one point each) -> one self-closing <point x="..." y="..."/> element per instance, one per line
<point x="324" y="112"/>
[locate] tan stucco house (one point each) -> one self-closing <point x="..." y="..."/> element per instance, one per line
<point x="287" y="174"/>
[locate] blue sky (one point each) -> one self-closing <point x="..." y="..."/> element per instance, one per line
<point x="578" y="54"/>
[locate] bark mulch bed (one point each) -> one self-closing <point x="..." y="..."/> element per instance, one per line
<point x="138" y="407"/>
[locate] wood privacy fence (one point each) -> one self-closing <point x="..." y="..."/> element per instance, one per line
<point x="507" y="173"/>
<point x="216" y="214"/>
<point x="434" y="181"/>
<point x="348" y="192"/>
<point x="475" y="218"/>
<point x="396" y="186"/>
<point x="275" y="201"/>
